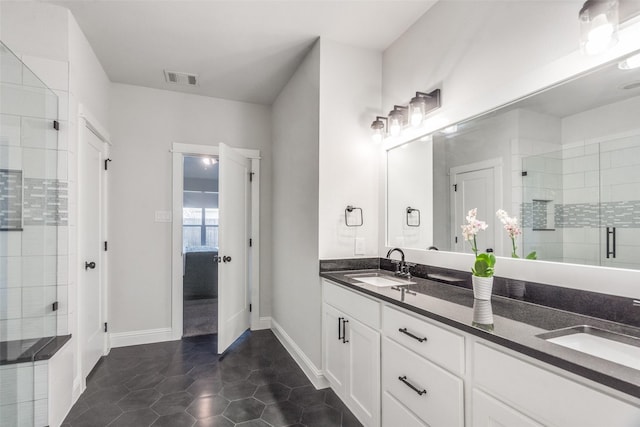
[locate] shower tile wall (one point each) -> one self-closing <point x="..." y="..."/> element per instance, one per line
<point x="35" y="261"/>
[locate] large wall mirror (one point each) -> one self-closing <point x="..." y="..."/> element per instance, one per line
<point x="565" y="162"/>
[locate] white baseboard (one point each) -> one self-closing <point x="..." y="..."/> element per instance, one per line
<point x="261" y="323"/>
<point x="124" y="339"/>
<point x="315" y="375"/>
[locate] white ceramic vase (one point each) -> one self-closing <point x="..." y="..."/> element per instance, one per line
<point x="482" y="287"/>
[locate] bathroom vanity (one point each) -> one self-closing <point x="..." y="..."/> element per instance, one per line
<point x="431" y="355"/>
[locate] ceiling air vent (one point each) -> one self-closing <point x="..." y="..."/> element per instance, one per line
<point x="178" y="78"/>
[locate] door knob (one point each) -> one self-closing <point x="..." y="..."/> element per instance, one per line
<point x="226" y="259"/>
<point x="89" y="265"/>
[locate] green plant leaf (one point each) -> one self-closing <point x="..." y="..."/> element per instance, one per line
<point x="483" y="266"/>
<point x="532" y="255"/>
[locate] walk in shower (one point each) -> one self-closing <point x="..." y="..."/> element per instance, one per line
<point x="33" y="218"/>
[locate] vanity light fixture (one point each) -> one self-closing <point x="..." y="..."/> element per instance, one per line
<point x="598" y="25"/>
<point x="208" y="161"/>
<point x="378" y="128"/>
<point x="421" y="105"/>
<point x="397" y="119"/>
<point x="630" y="62"/>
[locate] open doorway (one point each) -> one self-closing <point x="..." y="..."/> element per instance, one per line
<point x="200" y="209"/>
<point x="236" y="223"/>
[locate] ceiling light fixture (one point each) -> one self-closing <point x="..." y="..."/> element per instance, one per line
<point x="378" y="128"/>
<point x="397" y="119"/>
<point x="630" y="62"/>
<point x="598" y="25"/>
<point x="421" y="105"/>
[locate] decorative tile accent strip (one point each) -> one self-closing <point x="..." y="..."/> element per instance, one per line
<point x="45" y="202"/>
<point x="624" y="214"/>
<point x="10" y="199"/>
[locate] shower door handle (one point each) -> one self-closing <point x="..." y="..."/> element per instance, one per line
<point x="89" y="265"/>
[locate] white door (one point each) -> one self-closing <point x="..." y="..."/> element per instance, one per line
<point x="90" y="213"/>
<point x="475" y="189"/>
<point x="364" y="372"/>
<point x="233" y="242"/>
<point x="335" y="359"/>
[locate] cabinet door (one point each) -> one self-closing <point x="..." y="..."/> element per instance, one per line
<point x="335" y="351"/>
<point x="364" y="372"/>
<point x="490" y="412"/>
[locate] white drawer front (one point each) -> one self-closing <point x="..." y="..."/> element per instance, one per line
<point x="489" y="412"/>
<point x="441" y="406"/>
<point x="394" y="414"/>
<point x="358" y="306"/>
<point x="441" y="346"/>
<point x="548" y="398"/>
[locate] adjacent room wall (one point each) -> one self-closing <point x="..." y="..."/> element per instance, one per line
<point x="144" y="124"/>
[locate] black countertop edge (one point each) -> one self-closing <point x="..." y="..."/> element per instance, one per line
<point x="31" y="350"/>
<point x="523" y="335"/>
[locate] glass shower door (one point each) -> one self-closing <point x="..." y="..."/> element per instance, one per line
<point x="32" y="210"/>
<point x="620" y="202"/>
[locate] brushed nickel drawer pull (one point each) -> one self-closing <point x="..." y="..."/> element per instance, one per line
<point x="411" y="386"/>
<point x="404" y="331"/>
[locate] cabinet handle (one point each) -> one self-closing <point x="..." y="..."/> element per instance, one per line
<point x="344" y="331"/>
<point x="340" y="329"/>
<point x="411" y="386"/>
<point x="404" y="331"/>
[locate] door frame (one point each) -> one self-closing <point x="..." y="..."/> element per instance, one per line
<point x="179" y="150"/>
<point x="87" y="120"/>
<point x="496" y="165"/>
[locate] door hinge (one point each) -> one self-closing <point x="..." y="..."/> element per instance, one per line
<point x="106" y="327"/>
<point x="56" y="125"/>
<point x="54" y="306"/>
<point x="249" y="308"/>
<point x="524" y="173"/>
<point x="105" y="246"/>
<point x="456" y="239"/>
<point x="250" y="242"/>
<point x="455" y="187"/>
<point x="251" y="176"/>
<point x="106" y="164"/>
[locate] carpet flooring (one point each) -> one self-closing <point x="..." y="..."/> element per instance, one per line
<point x="200" y="317"/>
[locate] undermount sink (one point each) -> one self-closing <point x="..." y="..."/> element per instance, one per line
<point x="380" y="280"/>
<point x="611" y="346"/>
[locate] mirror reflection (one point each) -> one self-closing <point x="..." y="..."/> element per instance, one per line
<point x="565" y="162"/>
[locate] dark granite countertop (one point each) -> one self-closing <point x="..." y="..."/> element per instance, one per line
<point x="516" y="325"/>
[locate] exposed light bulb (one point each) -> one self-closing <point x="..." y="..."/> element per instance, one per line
<point x="377" y="137"/>
<point x="630" y="63"/>
<point x="598" y="25"/>
<point x="416" y="118"/>
<point x="395" y="128"/>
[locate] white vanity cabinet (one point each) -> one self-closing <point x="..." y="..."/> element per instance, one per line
<point x="351" y="350"/>
<point x="396" y="368"/>
<point x="535" y="396"/>
<point x="421" y="364"/>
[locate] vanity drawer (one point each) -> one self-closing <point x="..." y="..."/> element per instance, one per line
<point x="537" y="392"/>
<point x="441" y="346"/>
<point x="360" y="307"/>
<point x="442" y="405"/>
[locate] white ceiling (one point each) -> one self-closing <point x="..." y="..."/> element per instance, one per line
<point x="241" y="50"/>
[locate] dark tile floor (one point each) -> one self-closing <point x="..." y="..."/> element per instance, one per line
<point x="183" y="383"/>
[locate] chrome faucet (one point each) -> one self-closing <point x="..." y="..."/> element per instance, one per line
<point x="402" y="268"/>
